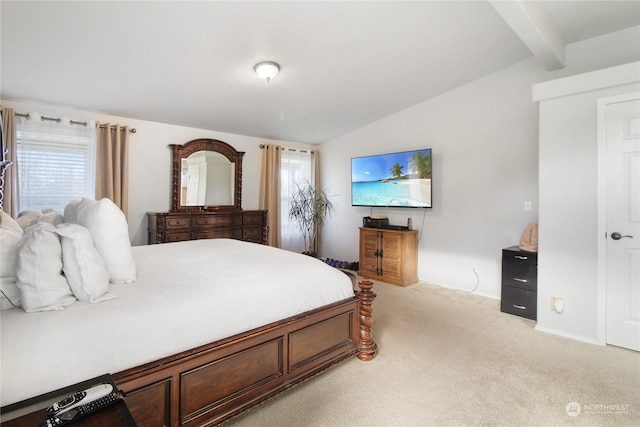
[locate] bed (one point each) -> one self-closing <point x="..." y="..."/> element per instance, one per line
<point x="195" y="332"/>
<point x="208" y="329"/>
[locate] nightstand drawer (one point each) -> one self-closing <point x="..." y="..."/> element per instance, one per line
<point x="520" y="302"/>
<point x="520" y="269"/>
<point x="521" y="281"/>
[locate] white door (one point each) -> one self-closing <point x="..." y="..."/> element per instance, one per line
<point x="623" y="224"/>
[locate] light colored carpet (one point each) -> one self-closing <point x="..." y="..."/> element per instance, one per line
<point x="450" y="358"/>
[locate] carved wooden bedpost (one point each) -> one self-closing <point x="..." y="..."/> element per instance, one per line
<point x="367" y="348"/>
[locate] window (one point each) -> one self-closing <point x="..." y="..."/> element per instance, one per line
<point x="295" y="167"/>
<point x="56" y="162"/>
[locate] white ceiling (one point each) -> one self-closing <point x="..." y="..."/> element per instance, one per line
<point x="343" y="64"/>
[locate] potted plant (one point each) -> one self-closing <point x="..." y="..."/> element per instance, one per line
<point x="310" y="207"/>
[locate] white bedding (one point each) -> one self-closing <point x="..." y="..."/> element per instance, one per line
<point x="186" y="294"/>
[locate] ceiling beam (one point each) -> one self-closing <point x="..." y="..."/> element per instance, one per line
<point x="534" y="29"/>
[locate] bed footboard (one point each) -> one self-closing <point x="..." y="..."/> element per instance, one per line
<point x="216" y="382"/>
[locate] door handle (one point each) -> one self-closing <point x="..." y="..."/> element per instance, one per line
<point x="617" y="236"/>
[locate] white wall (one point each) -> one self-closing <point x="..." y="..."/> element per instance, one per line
<point x="568" y="258"/>
<point x="150" y="162"/>
<point x="484" y="137"/>
<point x="484" y="145"/>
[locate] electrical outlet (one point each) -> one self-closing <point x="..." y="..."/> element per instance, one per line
<point x="557" y="304"/>
<point x="527" y="205"/>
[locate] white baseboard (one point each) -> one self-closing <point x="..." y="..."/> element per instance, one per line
<point x="567" y="335"/>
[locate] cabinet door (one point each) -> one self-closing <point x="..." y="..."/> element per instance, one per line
<point x="392" y="244"/>
<point x="369" y="251"/>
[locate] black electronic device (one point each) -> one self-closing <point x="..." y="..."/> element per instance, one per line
<point x="396" y="227"/>
<point x="81" y="404"/>
<point x="374" y="222"/>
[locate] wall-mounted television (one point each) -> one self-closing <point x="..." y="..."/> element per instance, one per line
<point x="398" y="180"/>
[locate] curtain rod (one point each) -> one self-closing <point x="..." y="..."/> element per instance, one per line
<point x="73" y="122"/>
<point x="290" y="149"/>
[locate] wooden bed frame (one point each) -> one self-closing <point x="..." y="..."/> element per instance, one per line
<point x="214" y="383"/>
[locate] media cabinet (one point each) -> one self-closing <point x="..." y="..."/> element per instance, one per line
<point x="389" y="255"/>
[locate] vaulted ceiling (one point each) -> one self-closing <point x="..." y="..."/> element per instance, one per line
<point x="343" y="64"/>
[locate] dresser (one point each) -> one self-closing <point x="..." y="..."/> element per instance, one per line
<point x="389" y="255"/>
<point x="519" y="282"/>
<point x="249" y="225"/>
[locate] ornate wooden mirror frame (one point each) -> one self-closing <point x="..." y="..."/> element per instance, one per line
<point x="181" y="152"/>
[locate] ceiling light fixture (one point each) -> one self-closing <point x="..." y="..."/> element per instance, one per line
<point x="267" y="69"/>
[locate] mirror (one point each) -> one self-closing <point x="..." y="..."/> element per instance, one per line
<point x="206" y="180"/>
<point x="206" y="176"/>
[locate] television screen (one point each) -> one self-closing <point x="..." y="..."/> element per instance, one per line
<point x="400" y="179"/>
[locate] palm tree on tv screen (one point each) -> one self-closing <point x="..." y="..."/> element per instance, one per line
<point x="421" y="164"/>
<point x="396" y="170"/>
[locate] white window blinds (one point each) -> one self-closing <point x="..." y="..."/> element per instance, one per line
<point x="56" y="163"/>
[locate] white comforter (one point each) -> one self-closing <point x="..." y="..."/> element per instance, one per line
<point x="186" y="294"/>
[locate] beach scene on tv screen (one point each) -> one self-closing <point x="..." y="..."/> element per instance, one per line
<point x="395" y="179"/>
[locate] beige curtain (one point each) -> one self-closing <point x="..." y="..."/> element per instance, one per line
<point x="9" y="139"/>
<point x="112" y="168"/>
<point x="270" y="191"/>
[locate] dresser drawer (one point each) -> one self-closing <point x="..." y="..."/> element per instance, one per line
<point x="520" y="302"/>
<point x="176" y="236"/>
<point x="215" y="220"/>
<point x="179" y="226"/>
<point x="252" y="234"/>
<point x="252" y="218"/>
<point x="177" y="222"/>
<point x="217" y="234"/>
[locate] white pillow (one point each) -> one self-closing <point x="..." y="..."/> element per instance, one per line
<point x="82" y="264"/>
<point x="10" y="296"/>
<point x="70" y="213"/>
<point x="40" y="281"/>
<point x="52" y="217"/>
<point x="27" y="218"/>
<point x="10" y="235"/>
<point x="110" y="233"/>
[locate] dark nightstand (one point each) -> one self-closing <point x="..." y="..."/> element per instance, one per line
<point x="519" y="282"/>
<point x="32" y="412"/>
